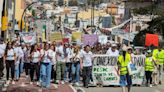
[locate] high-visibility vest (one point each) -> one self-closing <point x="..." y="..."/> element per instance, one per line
<point x="124" y="63"/>
<point x="149" y="66"/>
<point x="155" y="53"/>
<point x="160" y="57"/>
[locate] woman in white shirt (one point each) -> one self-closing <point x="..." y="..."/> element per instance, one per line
<point x="75" y="59"/>
<point x="35" y="59"/>
<point x="46" y="66"/>
<point x="10" y="58"/>
<point x="52" y="55"/>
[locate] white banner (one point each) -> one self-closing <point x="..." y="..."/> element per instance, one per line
<point x="105" y="70"/>
<point x="28" y="37"/>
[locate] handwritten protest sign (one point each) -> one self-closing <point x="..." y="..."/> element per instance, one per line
<point x="89" y="39"/>
<point x="28" y="37"/>
<point x="76" y="36"/>
<point x="105" y="70"/>
<point x="56" y="36"/>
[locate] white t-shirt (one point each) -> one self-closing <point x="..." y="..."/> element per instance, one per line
<point x="111" y="53"/>
<point x="35" y="57"/>
<point x="10" y="54"/>
<point x="52" y="54"/>
<point x="61" y="57"/>
<point x="2" y="50"/>
<point x="76" y="57"/>
<point x="87" y="58"/>
<point x="45" y="56"/>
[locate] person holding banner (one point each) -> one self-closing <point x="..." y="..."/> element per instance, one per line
<point x="123" y="61"/>
<point x="86" y="65"/>
<point x="149" y="67"/>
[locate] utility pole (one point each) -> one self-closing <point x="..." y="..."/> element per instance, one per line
<point x="13" y="26"/>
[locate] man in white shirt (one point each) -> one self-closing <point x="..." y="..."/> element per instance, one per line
<point x="87" y="58"/>
<point x="113" y="51"/>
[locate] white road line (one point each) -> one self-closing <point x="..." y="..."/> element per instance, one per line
<point x="74" y="90"/>
<point x="81" y="89"/>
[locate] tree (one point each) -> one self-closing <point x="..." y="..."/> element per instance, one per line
<point x="155" y="26"/>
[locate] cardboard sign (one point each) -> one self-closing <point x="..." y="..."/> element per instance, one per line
<point x="151" y="39"/>
<point x="89" y="39"/>
<point x="56" y="36"/>
<point x="76" y="36"/>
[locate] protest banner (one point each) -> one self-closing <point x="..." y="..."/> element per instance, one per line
<point x="105" y="70"/>
<point x="56" y="36"/>
<point x="103" y="39"/>
<point x="28" y="37"/>
<point x="89" y="39"/>
<point x="76" y="36"/>
<point x="151" y="39"/>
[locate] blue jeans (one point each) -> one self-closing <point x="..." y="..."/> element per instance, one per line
<point x="46" y="74"/>
<point x="17" y="71"/>
<point x="21" y="64"/>
<point x="75" y="72"/>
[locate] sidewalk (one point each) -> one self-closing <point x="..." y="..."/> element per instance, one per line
<point x="34" y="88"/>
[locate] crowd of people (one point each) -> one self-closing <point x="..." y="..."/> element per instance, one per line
<point x="55" y="62"/>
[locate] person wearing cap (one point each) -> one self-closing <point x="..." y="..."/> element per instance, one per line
<point x="123" y="60"/>
<point x="113" y="51"/>
<point x="149" y="68"/>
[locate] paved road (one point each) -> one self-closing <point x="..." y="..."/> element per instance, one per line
<point x="159" y="88"/>
<point x="34" y="88"/>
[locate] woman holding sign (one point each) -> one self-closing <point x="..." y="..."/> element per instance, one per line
<point x="123" y="61"/>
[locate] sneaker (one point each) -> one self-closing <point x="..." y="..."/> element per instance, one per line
<point x="150" y="85"/>
<point x="8" y="82"/>
<point x="91" y="82"/>
<point x="57" y="81"/>
<point x="13" y="82"/>
<point x="31" y="83"/>
<point x="38" y="83"/>
<point x="77" y="84"/>
<point x="55" y="86"/>
<point x="62" y="82"/>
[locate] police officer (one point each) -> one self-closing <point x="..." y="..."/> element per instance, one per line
<point x="149" y="67"/>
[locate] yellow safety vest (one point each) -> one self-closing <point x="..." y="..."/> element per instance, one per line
<point x="124" y="63"/>
<point x="155" y="53"/>
<point x="160" y="57"/>
<point x="149" y="66"/>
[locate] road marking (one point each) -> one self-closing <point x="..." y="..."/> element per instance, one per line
<point x="82" y="90"/>
<point x="74" y="90"/>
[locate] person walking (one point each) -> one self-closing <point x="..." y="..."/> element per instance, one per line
<point x="123" y="60"/>
<point x="46" y="66"/>
<point x="75" y="59"/>
<point x="35" y="61"/>
<point x="149" y="67"/>
<point x="2" y="51"/>
<point x="10" y="58"/>
<point x="86" y="65"/>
